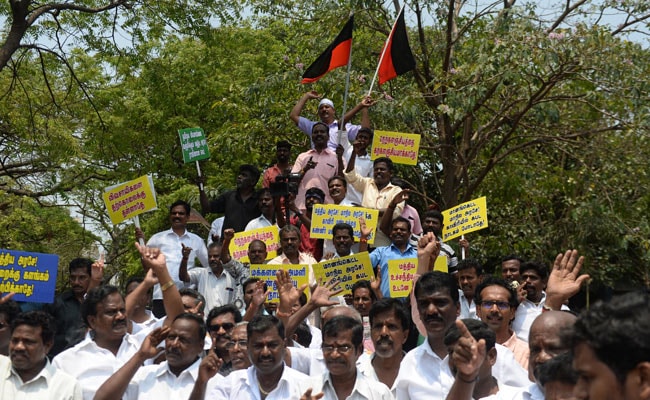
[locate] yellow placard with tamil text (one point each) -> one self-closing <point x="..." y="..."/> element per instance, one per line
<point x="325" y="216"/>
<point x="401" y="148"/>
<point x="400" y="276"/>
<point x="299" y="274"/>
<point x="465" y="218"/>
<point x="441" y="264"/>
<point x="239" y="243"/>
<point x="129" y="199"/>
<point x="348" y="270"/>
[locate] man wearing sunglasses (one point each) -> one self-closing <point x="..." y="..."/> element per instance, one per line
<point x="221" y="322"/>
<point x="496" y="305"/>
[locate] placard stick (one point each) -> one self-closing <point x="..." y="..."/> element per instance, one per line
<point x="198" y="171"/>
<point x="136" y="221"/>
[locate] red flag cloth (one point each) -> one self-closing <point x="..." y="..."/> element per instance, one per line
<point x="336" y="55"/>
<point x="398" y="58"/>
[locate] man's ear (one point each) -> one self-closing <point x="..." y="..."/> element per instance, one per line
<point x="91" y="322"/>
<point x="48" y="346"/>
<point x="643" y="371"/>
<point x="491" y="356"/>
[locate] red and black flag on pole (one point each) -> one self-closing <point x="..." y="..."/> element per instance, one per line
<point x="336" y="55"/>
<point x="397" y="58"/>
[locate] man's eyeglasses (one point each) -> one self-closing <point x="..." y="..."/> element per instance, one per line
<point x="340" y="349"/>
<point x="226" y="327"/>
<point x="501" y="305"/>
<point x="241" y="343"/>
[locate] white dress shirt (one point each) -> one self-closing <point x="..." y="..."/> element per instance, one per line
<point x="467" y="310"/>
<point x="423" y="375"/>
<point x="170" y="245"/>
<point x="217" y="290"/>
<point x="365" y="388"/>
<point x="93" y="365"/>
<point x="506" y="393"/>
<point x="157" y="382"/>
<point x="526" y="314"/>
<point x="49" y="384"/>
<point x="243" y="384"/>
<point x="257" y="223"/>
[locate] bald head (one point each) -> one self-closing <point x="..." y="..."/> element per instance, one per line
<point x="340" y="310"/>
<point x="545" y="341"/>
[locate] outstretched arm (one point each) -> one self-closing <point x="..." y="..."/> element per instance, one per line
<point x="117" y="384"/>
<point x="564" y="280"/>
<point x="300" y="104"/>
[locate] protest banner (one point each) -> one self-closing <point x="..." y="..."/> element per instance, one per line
<point x="239" y="243"/>
<point x="400" y="276"/>
<point x="194" y="144"/>
<point x="32" y="276"/>
<point x="299" y="274"/>
<point x="441" y="264"/>
<point x="325" y="216"/>
<point x="401" y="148"/>
<point x="348" y="270"/>
<point x="130" y="199"/>
<point x="464" y="218"/>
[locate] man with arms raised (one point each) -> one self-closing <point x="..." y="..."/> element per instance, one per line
<point x="27" y="372"/>
<point x="174" y="378"/>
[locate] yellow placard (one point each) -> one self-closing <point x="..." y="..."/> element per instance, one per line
<point x="299" y="274"/>
<point x="441" y="264"/>
<point x="239" y="243"/>
<point x="348" y="270"/>
<point x="400" y="276"/>
<point x="325" y="216"/>
<point x="401" y="148"/>
<point x="129" y="199"/>
<point x="465" y="218"/>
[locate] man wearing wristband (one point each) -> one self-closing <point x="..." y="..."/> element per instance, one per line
<point x="180" y="247"/>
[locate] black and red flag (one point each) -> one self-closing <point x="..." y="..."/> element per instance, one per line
<point x="397" y="58"/>
<point x="336" y="55"/>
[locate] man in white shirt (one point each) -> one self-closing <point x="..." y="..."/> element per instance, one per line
<point x="423" y="373"/>
<point x="472" y="354"/>
<point x="172" y="242"/>
<point x="267" y="210"/>
<point x="174" y="378"/>
<point x="109" y="346"/>
<point x="214" y="283"/>
<point x="268" y="378"/>
<point x="27" y="372"/>
<point x="470" y="273"/>
<point x="342" y="346"/>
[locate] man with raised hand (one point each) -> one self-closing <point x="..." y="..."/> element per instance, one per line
<point x="109" y="345"/>
<point x="327" y="116"/>
<point x="174" y="378"/>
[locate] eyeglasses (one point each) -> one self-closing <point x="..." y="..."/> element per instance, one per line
<point x="228" y="326"/>
<point x="501" y="305"/>
<point x="241" y="343"/>
<point x="345" y="349"/>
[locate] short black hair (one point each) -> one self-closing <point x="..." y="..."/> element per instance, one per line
<point x="616" y="331"/>
<point x="79" y="263"/>
<point x="512" y="257"/>
<point x="365" y="284"/>
<point x="470" y="263"/>
<point x="557" y="369"/>
<point x="401" y="219"/>
<point x="183" y="203"/>
<point x="435" y="214"/>
<point x="539" y="268"/>
<point x="37" y="319"/>
<point x="338" y="178"/>
<point x="251" y="281"/>
<point x="94" y="297"/>
<point x="477" y="328"/>
<point x="385" y="160"/>
<point x="226" y="309"/>
<point x="367" y="131"/>
<point x="255" y="173"/>
<point x="435" y="281"/>
<point x="342" y="226"/>
<point x="341" y="323"/>
<point x="283" y="144"/>
<point x="199" y="321"/>
<point x="10" y="309"/>
<point x="262" y="323"/>
<point x="387" y="304"/>
<point x="303" y="334"/>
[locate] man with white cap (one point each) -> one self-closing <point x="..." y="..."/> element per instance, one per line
<point x="327" y="115"/>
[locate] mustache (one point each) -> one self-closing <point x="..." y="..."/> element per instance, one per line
<point x="385" y="341"/>
<point x="434" y="318"/>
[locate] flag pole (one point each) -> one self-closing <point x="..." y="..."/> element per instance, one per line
<point x="345" y="95"/>
<point x="383" y="52"/>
